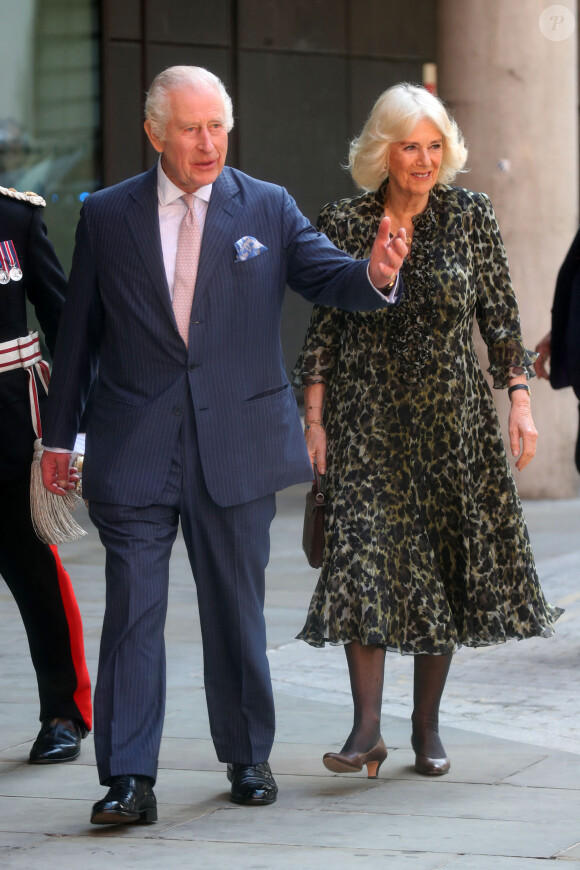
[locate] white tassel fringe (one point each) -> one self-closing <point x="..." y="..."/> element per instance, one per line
<point x="51" y="514"/>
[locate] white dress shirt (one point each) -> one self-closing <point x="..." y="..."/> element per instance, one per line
<point x="172" y="210"/>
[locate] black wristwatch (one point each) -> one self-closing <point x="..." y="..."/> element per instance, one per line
<point x="518" y="387"/>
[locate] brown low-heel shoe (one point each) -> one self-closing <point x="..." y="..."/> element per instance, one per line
<point x="353" y="762"/>
<point x="431" y="766"/>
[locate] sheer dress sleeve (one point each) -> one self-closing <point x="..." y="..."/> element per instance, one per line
<point x="497" y="308"/>
<point x="316" y="362"/>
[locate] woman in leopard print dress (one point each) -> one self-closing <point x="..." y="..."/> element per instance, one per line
<point x="426" y="544"/>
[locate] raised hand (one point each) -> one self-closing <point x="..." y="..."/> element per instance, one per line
<point x="387" y="255"/>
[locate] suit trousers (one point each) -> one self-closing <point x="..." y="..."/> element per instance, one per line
<point x="43" y="592"/>
<point x="228" y="550"/>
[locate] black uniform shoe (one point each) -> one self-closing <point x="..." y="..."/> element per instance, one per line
<point x="252" y="784"/>
<point x="129" y="799"/>
<point x="58" y="740"/>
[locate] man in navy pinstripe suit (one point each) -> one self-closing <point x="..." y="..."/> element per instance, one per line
<point x="205" y="431"/>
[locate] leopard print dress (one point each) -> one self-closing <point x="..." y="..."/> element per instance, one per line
<point x="426" y="547"/>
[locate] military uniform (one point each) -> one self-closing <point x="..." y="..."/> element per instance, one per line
<point x="33" y="571"/>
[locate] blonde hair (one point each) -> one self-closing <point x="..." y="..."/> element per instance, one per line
<point x="174" y="78"/>
<point x="394" y="115"/>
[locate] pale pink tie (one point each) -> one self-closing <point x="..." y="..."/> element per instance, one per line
<point x="186" y="262"/>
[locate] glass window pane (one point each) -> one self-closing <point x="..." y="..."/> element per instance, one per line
<point x="50" y="108"/>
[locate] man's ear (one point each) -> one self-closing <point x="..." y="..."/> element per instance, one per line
<point x="157" y="143"/>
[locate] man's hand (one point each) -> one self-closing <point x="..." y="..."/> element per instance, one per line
<point x="544" y="348"/>
<point x="522" y="432"/>
<point x="58" y="475"/>
<point x="387" y="255"/>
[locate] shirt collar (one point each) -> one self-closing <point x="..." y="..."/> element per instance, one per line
<point x="168" y="192"/>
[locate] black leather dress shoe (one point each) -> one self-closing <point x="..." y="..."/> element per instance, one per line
<point x="252" y="784"/>
<point x="129" y="799"/>
<point x="58" y="740"/>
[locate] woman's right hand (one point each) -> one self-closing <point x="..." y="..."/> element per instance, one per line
<point x="316" y="445"/>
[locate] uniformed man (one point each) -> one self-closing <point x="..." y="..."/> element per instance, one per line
<point x="32" y="569"/>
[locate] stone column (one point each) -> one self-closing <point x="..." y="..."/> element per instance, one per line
<point x="508" y="71"/>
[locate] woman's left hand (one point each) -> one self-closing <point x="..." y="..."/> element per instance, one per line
<point x="523" y="434"/>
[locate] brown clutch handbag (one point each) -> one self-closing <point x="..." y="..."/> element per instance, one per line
<point x="313" y="531"/>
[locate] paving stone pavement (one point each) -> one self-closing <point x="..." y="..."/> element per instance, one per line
<point x="511" y="800"/>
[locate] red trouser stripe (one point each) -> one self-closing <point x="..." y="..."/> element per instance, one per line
<point x="82" y="694"/>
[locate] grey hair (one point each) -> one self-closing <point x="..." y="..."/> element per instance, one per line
<point x="394" y="115"/>
<point x="174" y="78"/>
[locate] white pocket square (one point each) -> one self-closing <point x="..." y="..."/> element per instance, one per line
<point x="248" y="247"/>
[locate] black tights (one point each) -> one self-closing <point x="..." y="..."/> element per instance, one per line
<point x="428" y="684"/>
<point x="366" y="667"/>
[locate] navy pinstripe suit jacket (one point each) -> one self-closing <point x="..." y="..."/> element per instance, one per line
<point x="118" y="320"/>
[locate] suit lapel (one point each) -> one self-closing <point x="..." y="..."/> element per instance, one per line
<point x="143" y="221"/>
<point x="217" y="243"/>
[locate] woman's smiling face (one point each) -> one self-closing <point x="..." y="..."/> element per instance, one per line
<point x="414" y="162"/>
